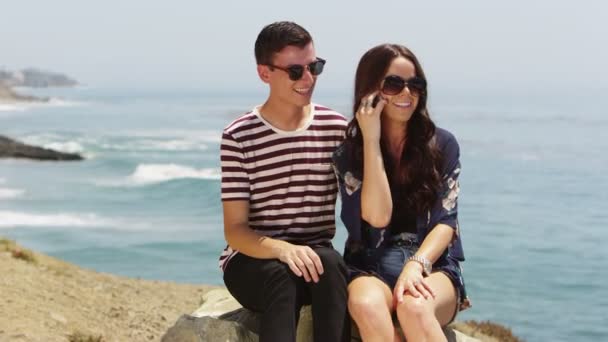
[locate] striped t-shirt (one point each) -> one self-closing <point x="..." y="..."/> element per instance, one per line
<point x="287" y="176"/>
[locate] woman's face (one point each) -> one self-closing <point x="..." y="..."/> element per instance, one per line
<point x="401" y="106"/>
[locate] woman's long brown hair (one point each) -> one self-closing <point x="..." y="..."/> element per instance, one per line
<point x="417" y="181"/>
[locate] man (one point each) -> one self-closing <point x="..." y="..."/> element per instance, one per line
<point x="279" y="192"/>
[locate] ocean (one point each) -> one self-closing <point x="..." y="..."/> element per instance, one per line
<point x="146" y="201"/>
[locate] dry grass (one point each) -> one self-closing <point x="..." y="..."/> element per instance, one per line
<point x="485" y="329"/>
<point x="53" y="300"/>
<point x="7" y="245"/>
<point x="78" y="336"/>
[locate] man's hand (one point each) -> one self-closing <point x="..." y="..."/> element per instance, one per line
<point x="302" y="260"/>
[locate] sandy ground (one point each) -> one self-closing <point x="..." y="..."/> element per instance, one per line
<point x="46" y="299"/>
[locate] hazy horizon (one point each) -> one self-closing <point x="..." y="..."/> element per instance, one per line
<point x="186" y="44"/>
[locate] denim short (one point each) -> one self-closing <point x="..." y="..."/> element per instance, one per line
<point x="386" y="263"/>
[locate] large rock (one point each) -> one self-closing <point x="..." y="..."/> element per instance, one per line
<point x="221" y="318"/>
<point x="10" y="148"/>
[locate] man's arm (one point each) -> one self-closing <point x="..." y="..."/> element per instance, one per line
<point x="302" y="260"/>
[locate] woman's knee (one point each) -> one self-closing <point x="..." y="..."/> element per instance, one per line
<point x="365" y="305"/>
<point x="413" y="308"/>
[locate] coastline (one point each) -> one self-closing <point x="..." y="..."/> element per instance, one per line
<point x="47" y="299"/>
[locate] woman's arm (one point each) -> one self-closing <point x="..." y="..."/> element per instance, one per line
<point x="376" y="200"/>
<point x="445" y="211"/>
<point x="439" y="236"/>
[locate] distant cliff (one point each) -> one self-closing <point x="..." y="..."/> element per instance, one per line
<point x="35" y="78"/>
<point x="8" y="95"/>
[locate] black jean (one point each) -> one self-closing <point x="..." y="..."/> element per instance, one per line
<point x="269" y="287"/>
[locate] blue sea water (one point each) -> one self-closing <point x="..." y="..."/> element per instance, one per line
<point x="145" y="203"/>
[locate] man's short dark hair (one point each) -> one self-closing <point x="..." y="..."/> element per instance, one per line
<point x="276" y="36"/>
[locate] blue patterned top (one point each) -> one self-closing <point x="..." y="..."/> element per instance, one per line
<point x="445" y="210"/>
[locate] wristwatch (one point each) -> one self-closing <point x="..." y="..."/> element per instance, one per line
<point x="424" y="262"/>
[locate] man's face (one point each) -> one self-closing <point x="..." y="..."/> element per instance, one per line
<point x="298" y="92"/>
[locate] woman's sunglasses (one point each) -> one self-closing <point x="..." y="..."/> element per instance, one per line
<point x="394" y="85"/>
<point x="296" y="71"/>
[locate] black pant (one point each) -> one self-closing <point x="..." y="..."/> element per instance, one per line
<point x="270" y="287"/>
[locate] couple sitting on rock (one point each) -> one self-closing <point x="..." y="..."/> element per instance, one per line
<point x="283" y="165"/>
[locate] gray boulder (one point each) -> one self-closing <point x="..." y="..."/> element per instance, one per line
<point x="221" y="318"/>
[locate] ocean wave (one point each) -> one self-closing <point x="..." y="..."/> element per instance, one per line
<point x="57" y="102"/>
<point x="209" y="136"/>
<point x="11" y="219"/>
<point x="73" y="143"/>
<point x="66" y="146"/>
<point x="156" y="173"/>
<point x="156" y="145"/>
<point x="52" y="102"/>
<point x="57" y="142"/>
<point x="8" y="193"/>
<point x="11" y="108"/>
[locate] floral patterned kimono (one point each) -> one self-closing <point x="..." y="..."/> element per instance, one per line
<point x="362" y="236"/>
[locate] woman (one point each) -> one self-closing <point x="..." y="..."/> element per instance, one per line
<point x="398" y="177"/>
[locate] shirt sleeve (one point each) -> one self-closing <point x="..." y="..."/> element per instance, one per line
<point x="349" y="186"/>
<point x="448" y="206"/>
<point x="235" y="180"/>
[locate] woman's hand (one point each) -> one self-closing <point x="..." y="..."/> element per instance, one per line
<point x="368" y="117"/>
<point x="412" y="281"/>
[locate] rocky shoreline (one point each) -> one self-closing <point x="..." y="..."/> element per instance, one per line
<point x="10" y="148"/>
<point x="46" y="299"/>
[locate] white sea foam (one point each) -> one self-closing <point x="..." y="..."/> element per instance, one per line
<point x="12" y="219"/>
<point x="529" y="156"/>
<point x="55" y="102"/>
<point x="23" y="106"/>
<point x="57" y="142"/>
<point x="45" y="139"/>
<point x="157" y="145"/>
<point x="4" y="107"/>
<point x="212" y="136"/>
<point x="65" y="146"/>
<point x="8" y="193"/>
<point x="156" y="173"/>
<point x="123" y="142"/>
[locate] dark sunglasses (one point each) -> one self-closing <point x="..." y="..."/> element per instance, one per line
<point x="296" y="71"/>
<point x="394" y="85"/>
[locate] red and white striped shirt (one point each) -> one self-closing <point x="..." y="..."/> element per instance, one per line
<point x="287" y="176"/>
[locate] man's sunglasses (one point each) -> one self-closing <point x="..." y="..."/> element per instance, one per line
<point x="394" y="85"/>
<point x="296" y="71"/>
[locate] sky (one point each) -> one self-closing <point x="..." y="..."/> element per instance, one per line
<point x="510" y="45"/>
